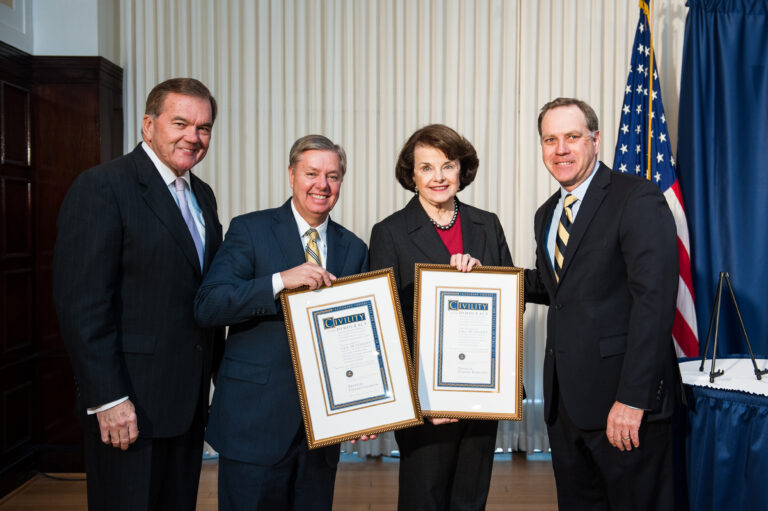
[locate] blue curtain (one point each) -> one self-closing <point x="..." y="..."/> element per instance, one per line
<point x="723" y="162"/>
<point x="726" y="440"/>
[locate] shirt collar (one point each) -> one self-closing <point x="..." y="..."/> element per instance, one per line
<point x="304" y="225"/>
<point x="580" y="191"/>
<point x="165" y="172"/>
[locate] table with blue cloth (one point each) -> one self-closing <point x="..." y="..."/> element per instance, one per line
<point x="726" y="436"/>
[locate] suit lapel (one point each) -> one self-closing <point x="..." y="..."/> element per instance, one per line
<point x="542" y="231"/>
<point x="286" y="232"/>
<point x="595" y="195"/>
<point x="472" y="233"/>
<point x="337" y="249"/>
<point x="422" y="233"/>
<point x="159" y="200"/>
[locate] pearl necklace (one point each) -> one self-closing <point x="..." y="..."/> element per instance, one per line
<point x="453" y="220"/>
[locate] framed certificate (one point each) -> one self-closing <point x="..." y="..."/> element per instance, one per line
<point x="350" y="358"/>
<point x="468" y="341"/>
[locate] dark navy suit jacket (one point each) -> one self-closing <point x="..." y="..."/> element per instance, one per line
<point x="255" y="413"/>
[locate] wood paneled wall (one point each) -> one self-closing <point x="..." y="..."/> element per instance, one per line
<point x="58" y="117"/>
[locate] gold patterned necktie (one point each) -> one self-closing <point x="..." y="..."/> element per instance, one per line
<point x="563" y="233"/>
<point x="312" y="253"/>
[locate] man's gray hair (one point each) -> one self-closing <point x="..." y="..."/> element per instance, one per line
<point x="316" y="143"/>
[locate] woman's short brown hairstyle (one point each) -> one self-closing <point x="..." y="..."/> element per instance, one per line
<point x="439" y="136"/>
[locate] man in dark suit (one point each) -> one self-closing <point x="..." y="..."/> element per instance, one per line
<point x="135" y="237"/>
<point x="256" y="423"/>
<point x="606" y="264"/>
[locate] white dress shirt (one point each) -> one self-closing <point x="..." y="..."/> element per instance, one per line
<point x="322" y="245"/>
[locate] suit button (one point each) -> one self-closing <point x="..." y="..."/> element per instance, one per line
<point x="558" y="306"/>
<point x="550" y="352"/>
<point x="198" y="347"/>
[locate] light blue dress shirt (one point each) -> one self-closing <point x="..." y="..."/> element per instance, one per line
<point x="579" y="192"/>
<point x="169" y="178"/>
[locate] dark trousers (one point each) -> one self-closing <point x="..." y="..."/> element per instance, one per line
<point x="302" y="480"/>
<point x="446" y="467"/>
<point x="591" y="474"/>
<point x="153" y="474"/>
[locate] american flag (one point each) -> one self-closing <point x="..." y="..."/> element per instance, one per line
<point x="642" y="106"/>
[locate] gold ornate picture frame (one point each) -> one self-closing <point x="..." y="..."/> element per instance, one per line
<point x="350" y="358"/>
<point x="468" y="341"/>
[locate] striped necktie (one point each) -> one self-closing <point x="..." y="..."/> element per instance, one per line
<point x="563" y="231"/>
<point x="312" y="254"/>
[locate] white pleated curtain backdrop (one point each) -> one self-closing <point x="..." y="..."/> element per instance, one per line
<point x="367" y="74"/>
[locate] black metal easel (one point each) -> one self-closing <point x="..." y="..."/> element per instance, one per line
<point x="716" y="318"/>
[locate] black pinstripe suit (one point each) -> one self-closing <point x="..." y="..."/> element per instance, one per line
<point x="125" y="277"/>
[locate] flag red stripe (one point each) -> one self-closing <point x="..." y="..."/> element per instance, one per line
<point x="685" y="266"/>
<point x="687" y="340"/>
<point x="676" y="188"/>
<point x="685" y="337"/>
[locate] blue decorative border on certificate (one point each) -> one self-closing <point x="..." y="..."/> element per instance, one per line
<point x="466" y="294"/>
<point x="385" y="384"/>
